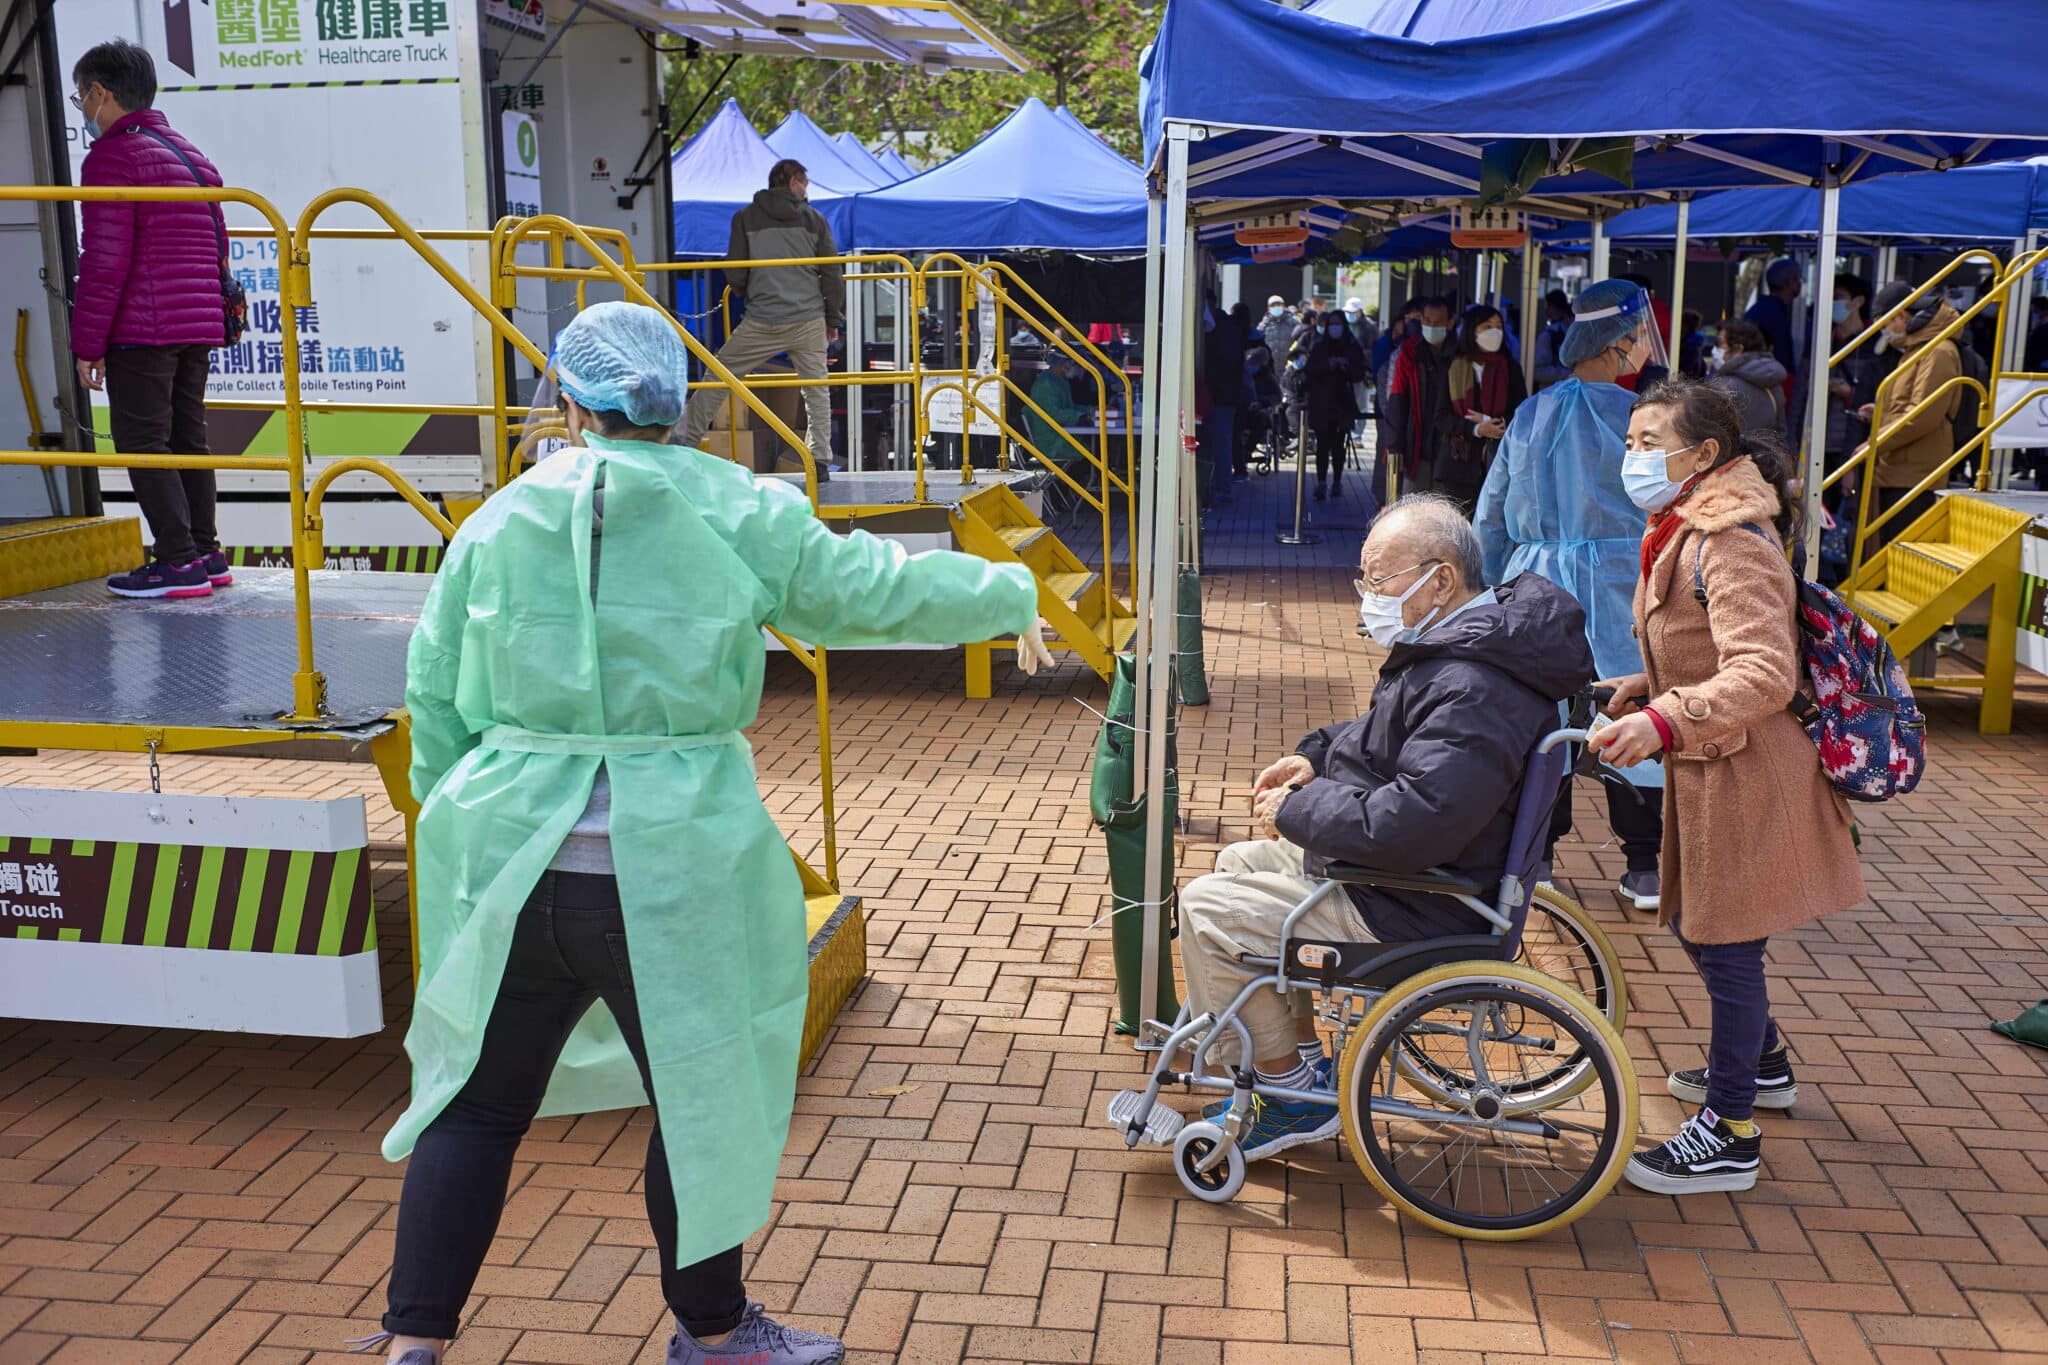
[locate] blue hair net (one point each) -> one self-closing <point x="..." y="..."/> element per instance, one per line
<point x="1602" y="315"/>
<point x="624" y="358"/>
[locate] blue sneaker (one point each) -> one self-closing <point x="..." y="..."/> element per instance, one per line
<point x="758" y="1340"/>
<point x="1278" y="1125"/>
<point x="1326" y="1079"/>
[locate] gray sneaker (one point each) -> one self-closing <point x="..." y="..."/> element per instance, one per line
<point x="758" y="1340"/>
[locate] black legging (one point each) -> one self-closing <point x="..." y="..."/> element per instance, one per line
<point x="1331" y="443"/>
<point x="568" y="951"/>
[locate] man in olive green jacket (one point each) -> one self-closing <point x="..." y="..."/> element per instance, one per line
<point x="790" y="308"/>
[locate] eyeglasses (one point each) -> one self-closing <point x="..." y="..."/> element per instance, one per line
<point x="1370" y="587"/>
<point x="78" y="103"/>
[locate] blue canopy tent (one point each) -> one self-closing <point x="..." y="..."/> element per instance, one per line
<point x="893" y="159"/>
<point x="799" y="138"/>
<point x="856" y="151"/>
<point x="1998" y="203"/>
<point x="1037" y="180"/>
<point x="718" y="170"/>
<point x="1535" y="102"/>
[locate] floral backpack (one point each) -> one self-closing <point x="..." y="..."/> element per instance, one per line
<point x="1861" y="714"/>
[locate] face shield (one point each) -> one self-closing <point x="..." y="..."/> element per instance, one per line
<point x="546" y="428"/>
<point x="1623" y="326"/>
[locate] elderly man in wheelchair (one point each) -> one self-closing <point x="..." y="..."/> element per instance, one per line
<point x="1384" y="900"/>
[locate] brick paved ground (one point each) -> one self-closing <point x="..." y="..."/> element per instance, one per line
<point x="948" y="1190"/>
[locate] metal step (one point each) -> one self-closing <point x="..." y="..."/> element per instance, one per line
<point x="1019" y="538"/>
<point x="1119" y="633"/>
<point x="1162" y="1125"/>
<point x="1886" y="608"/>
<point x="1940" y="552"/>
<point x="1070" y="587"/>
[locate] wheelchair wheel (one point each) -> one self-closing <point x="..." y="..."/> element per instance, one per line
<point x="1217" y="1186"/>
<point x="1566" y="944"/>
<point x="1469" y="1160"/>
<point x="1561" y="941"/>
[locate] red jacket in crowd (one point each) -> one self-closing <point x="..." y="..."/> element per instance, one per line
<point x="149" y="274"/>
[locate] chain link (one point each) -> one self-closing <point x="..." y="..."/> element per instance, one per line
<point x="156" y="775"/>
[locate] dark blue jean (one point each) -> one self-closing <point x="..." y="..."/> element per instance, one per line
<point x="568" y="950"/>
<point x="1743" y="1029"/>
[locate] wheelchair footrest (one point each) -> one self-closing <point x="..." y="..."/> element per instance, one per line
<point x="1162" y="1125"/>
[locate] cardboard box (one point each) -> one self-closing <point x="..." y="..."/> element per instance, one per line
<point x="732" y="446"/>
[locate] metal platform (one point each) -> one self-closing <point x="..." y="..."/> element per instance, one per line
<point x="79" y="655"/>
<point x="898" y="488"/>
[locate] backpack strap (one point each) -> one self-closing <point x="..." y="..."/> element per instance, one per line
<point x="220" y="222"/>
<point x="1699" y="584"/>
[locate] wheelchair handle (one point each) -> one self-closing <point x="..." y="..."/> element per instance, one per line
<point x="1557" y="737"/>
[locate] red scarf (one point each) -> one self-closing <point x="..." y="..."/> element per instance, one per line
<point x="1664" y="525"/>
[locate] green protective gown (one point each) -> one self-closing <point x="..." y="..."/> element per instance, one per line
<point x="520" y="690"/>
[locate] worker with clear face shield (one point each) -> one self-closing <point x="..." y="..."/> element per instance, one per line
<point x="607" y="914"/>
<point x="1554" y="504"/>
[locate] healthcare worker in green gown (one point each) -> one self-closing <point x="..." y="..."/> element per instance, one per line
<point x="607" y="912"/>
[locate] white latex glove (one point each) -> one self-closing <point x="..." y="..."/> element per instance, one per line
<point x="1032" y="654"/>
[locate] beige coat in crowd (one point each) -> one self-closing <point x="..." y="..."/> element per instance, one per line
<point x="1755" y="840"/>
<point x="1908" y="451"/>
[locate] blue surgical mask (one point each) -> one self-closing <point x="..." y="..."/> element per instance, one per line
<point x="1434" y="335"/>
<point x="1646" y="478"/>
<point x="1276" y="311"/>
<point x="1841" y="310"/>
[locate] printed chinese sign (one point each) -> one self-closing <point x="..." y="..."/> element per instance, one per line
<point x="168" y="896"/>
<point x="521" y="16"/>
<point x="290" y="99"/>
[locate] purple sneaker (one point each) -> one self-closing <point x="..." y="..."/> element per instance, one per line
<point x="758" y="1340"/>
<point x="217" y="571"/>
<point x="158" y="579"/>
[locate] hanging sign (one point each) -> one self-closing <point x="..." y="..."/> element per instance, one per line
<point x="1492" y="229"/>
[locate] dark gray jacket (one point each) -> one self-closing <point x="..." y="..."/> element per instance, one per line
<point x="779" y="226"/>
<point x="1430" y="774"/>
<point x="1754" y="382"/>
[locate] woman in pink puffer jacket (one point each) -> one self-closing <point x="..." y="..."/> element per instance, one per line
<point x="149" y="312"/>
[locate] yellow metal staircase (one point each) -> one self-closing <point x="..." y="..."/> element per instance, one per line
<point x="1077" y="601"/>
<point x="1952" y="555"/>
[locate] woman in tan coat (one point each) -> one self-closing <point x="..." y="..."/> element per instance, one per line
<point x="1755" y="840"/>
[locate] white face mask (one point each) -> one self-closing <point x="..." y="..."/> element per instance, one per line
<point x="1489" y="340"/>
<point x="1276" y="311"/>
<point x="1434" y="335"/>
<point x="1645" y="474"/>
<point x="1381" y="614"/>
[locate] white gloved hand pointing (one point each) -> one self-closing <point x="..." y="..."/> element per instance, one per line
<point x="1032" y="654"/>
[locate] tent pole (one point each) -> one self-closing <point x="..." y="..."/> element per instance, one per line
<point x="856" y="338"/>
<point x="1174" y="343"/>
<point x="1596" y="267"/>
<point x="1192" y="305"/>
<point x="1532" y="299"/>
<point x="1817" y="367"/>
<point x="1678" y="277"/>
<point x="1386" y="299"/>
<point x="1147" y="487"/>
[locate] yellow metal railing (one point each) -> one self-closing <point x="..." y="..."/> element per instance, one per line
<point x="2005" y="279"/>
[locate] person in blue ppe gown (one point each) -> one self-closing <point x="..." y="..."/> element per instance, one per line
<point x="607" y="914"/>
<point x="1553" y="504"/>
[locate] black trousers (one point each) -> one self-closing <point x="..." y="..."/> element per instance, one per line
<point x="569" y="949"/>
<point x="1636" y="815"/>
<point x="156" y="400"/>
<point x="1332" y="443"/>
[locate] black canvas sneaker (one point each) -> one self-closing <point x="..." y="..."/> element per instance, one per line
<point x="1703" y="1155"/>
<point x="1776" y="1087"/>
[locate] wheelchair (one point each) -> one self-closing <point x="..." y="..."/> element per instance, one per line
<point x="1482" y="1082"/>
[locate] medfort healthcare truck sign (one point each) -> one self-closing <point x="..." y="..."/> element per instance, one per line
<point x="233" y="41"/>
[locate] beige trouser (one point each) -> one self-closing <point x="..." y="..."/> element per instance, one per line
<point x="751" y="345"/>
<point x="1240" y="908"/>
